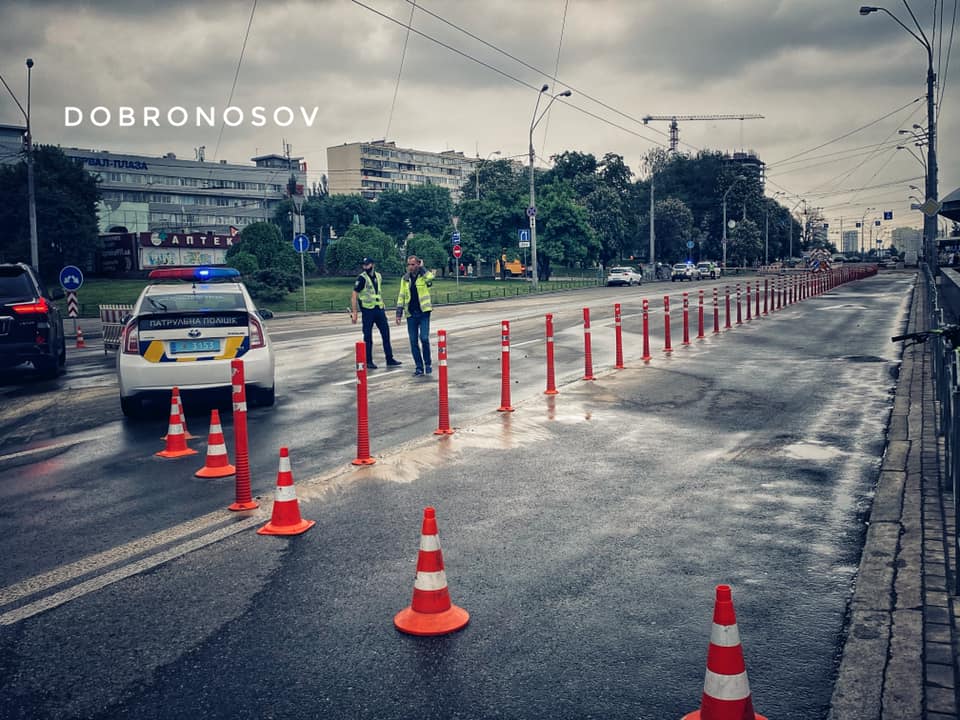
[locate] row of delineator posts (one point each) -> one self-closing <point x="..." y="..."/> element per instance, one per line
<point x="726" y="691"/>
<point x="738" y="308"/>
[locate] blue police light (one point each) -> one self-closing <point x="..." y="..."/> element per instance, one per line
<point x="203" y="274"/>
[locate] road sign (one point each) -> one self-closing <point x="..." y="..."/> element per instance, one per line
<point x="524" y="235"/>
<point x="301" y="242"/>
<point x="888" y="214"/>
<point x="72" y="304"/>
<point x="689" y="244"/>
<point x="71" y="278"/>
<point x="531" y="211"/>
<point x="533" y="221"/>
<point x="455" y="237"/>
<point x="457" y="251"/>
<point x="931" y="207"/>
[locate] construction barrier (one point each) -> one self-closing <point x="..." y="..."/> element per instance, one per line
<point x="217" y="464"/>
<point x="617" y="320"/>
<point x="716" y="313"/>
<point x="430" y="612"/>
<point x="443" y="425"/>
<point x="112" y="319"/>
<point x="726" y="294"/>
<point x="666" y="324"/>
<point x="176" y="440"/>
<point x="739" y="307"/>
<point x="551" y="379"/>
<point x="505" y="405"/>
<point x="363" y="431"/>
<point x="726" y="690"/>
<point x="686" y="318"/>
<point x="244" y="497"/>
<point x="285" y="518"/>
<point x="646" y="331"/>
<point x="587" y="352"/>
<point x="749" y="313"/>
<point x="700" y="334"/>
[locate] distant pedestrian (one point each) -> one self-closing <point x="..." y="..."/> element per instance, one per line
<point x="414" y="299"/>
<point x="463" y="269"/>
<point x="469" y="269"/>
<point x="367" y="292"/>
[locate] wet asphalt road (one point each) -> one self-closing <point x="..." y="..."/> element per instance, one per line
<point x="584" y="532"/>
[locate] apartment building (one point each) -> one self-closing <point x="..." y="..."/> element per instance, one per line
<point x="369" y="168"/>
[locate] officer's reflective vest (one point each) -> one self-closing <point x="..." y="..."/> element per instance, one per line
<point x="423" y="292"/>
<point x="370" y="297"/>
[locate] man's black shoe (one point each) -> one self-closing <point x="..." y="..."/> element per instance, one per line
<point x="429" y="370"/>
<point x="393" y="363"/>
<point x="371" y="366"/>
<point x="418" y="372"/>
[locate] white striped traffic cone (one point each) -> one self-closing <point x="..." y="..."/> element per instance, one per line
<point x="176" y="440"/>
<point x="726" y="691"/>
<point x="286" y="518"/>
<point x="218" y="463"/>
<point x="183" y="416"/>
<point x="431" y="612"/>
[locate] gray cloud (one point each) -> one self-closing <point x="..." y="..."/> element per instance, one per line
<point x="814" y="68"/>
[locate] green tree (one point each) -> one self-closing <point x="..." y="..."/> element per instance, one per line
<point x="370" y="242"/>
<point x="264" y="242"/>
<point x="673" y="222"/>
<point x="429" y="249"/>
<point x="66" y="202"/>
<point x="605" y="213"/>
<point x="745" y="243"/>
<point x="566" y="237"/>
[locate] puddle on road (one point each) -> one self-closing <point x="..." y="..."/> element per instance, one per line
<point x="811" y="451"/>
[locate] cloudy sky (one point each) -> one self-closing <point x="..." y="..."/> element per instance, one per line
<point x="833" y="87"/>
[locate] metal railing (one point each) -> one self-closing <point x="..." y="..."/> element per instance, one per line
<point x="945" y="355"/>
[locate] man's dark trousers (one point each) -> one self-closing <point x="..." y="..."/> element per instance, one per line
<point x="371" y="317"/>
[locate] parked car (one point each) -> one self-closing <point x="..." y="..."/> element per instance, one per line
<point x="708" y="270"/>
<point x="184" y="331"/>
<point x="31" y="326"/>
<point x="684" y="271"/>
<point x="623" y="276"/>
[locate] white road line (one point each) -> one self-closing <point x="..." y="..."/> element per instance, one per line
<point x="65" y="573"/>
<point x="378" y="376"/>
<point x="94" y="584"/>
<point x="34" y="451"/>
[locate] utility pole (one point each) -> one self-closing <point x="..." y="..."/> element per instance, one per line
<point x="653" y="234"/>
<point x="31" y="190"/>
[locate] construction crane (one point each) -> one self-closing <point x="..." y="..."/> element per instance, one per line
<point x="675" y="129"/>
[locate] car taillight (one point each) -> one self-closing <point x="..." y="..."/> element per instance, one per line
<point x="40" y="307"/>
<point x="131" y="339"/>
<point x="256" y="334"/>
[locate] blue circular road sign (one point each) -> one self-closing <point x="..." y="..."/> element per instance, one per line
<point x="71" y="278"/>
<point x="301" y="242"/>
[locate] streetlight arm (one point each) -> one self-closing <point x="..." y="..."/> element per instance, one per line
<point x="866" y="10"/>
<point x="926" y="43"/>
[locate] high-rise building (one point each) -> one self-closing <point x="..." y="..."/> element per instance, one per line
<point x="369" y="168"/>
<point x="850" y="243"/>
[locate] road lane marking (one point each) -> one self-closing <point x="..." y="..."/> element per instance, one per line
<point x="66" y="573"/>
<point x="121" y="573"/>
<point x="43" y="448"/>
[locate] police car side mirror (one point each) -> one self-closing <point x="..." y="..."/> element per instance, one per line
<point x="265" y="314"/>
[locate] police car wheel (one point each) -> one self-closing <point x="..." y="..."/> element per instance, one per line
<point x="132" y="407"/>
<point x="264" y="397"/>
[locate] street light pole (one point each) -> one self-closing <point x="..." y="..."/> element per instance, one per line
<point x="479" y="163"/>
<point x="31" y="196"/>
<point x="724" y="241"/>
<point x="929" y="221"/>
<point x="863" y="219"/>
<point x="534" y="121"/>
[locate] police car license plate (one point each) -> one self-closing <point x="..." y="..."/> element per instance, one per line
<point x="194" y="346"/>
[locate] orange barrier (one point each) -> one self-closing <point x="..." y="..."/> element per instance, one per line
<point x="505" y="405"/>
<point x="363" y="423"/>
<point x="726" y="691"/>
<point x="551" y="378"/>
<point x="431" y="612"/>
<point x="443" y="423"/>
<point x="244" y="495"/>
<point x="286" y="519"/>
<point x="176" y="445"/>
<point x="587" y="351"/>
<point x="217" y="464"/>
<point x="618" y="322"/>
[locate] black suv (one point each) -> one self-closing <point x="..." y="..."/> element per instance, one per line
<point x="31" y="328"/>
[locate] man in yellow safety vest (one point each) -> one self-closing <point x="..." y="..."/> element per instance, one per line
<point x="366" y="292"/>
<point x="414" y="299"/>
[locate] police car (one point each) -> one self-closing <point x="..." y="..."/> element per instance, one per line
<point x="185" y="329"/>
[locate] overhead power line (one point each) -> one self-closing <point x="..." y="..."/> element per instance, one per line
<point x="403" y="55"/>
<point x="236" y="75"/>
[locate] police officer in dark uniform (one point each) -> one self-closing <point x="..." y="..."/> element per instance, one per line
<point x="367" y="292"/>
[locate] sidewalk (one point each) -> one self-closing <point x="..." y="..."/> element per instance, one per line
<point x="900" y="657"/>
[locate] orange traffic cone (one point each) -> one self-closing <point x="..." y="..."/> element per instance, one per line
<point x="217" y="464"/>
<point x="431" y="612"/>
<point x="80" y="343"/>
<point x="183" y="415"/>
<point x="726" y="691"/>
<point x="176" y="441"/>
<point x="286" y="518"/>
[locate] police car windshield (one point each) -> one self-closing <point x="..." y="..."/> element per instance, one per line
<point x="193" y="302"/>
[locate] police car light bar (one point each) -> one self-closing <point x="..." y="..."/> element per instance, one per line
<point x="203" y="274"/>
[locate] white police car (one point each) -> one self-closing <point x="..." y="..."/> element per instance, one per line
<point x="185" y="329"/>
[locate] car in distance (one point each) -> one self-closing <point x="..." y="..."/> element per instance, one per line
<point x="185" y="330"/>
<point x="684" y="271"/>
<point x="31" y="326"/>
<point x="623" y="276"/>
<point x="708" y="270"/>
